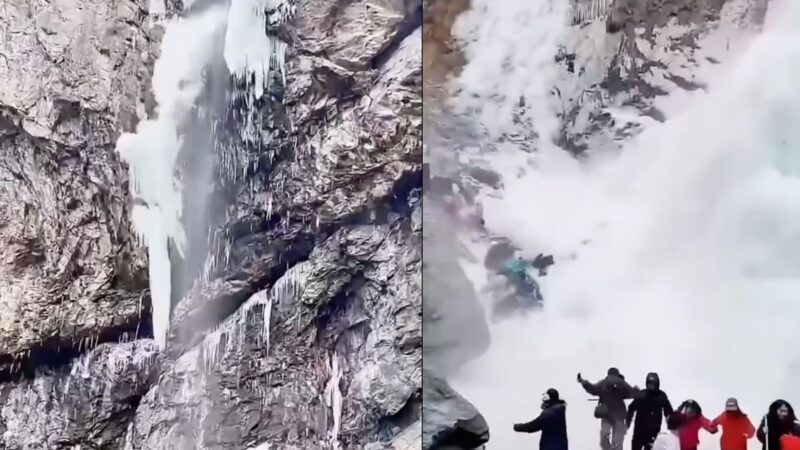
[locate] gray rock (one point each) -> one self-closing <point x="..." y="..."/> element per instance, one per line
<point x="340" y="176"/>
<point x="625" y="70"/>
<point x="451" y="422"/>
<point x="72" y="79"/>
<point x="456" y="329"/>
<point x="345" y="328"/>
<point x="320" y="178"/>
<point x="89" y="405"/>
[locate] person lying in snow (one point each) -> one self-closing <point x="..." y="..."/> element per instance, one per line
<point x="501" y="260"/>
<point x="552" y="422"/>
<point x="515" y="270"/>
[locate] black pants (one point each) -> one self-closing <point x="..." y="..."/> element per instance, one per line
<point x="643" y="442"/>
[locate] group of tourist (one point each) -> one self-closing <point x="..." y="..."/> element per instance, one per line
<point x="777" y="430"/>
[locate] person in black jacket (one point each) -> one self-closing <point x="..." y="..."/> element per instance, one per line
<point x="552" y="422"/>
<point x="779" y="421"/>
<point x="612" y="391"/>
<point x="648" y="410"/>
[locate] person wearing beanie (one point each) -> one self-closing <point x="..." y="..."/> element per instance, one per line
<point x="648" y="410"/>
<point x="552" y="422"/>
<point x="612" y="391"/>
<point x="736" y="427"/>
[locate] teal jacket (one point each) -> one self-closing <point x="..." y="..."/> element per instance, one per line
<point x="516" y="270"/>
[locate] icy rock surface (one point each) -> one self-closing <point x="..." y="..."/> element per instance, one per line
<point x="359" y="305"/>
<point x="451" y="422"/>
<point x="72" y="78"/>
<point x="316" y="221"/>
<point x="622" y="65"/>
<point x="88" y="405"/>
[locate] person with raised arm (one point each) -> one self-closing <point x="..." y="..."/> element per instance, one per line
<point x="552" y="423"/>
<point x="612" y="391"/>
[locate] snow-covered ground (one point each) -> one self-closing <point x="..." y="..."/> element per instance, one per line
<point x="676" y="255"/>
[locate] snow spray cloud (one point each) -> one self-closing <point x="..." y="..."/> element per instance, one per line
<point x="677" y="255"/>
<point x="179" y="78"/>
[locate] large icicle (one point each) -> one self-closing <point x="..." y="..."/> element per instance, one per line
<point x="151" y="153"/>
<point x="247" y="49"/>
<point x="584" y="11"/>
<point x="333" y="399"/>
<point x="252" y="52"/>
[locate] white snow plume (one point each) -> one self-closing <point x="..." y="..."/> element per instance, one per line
<point x="515" y="67"/>
<point x="187" y="50"/>
<point x="677" y="255"/>
<point x="151" y="152"/>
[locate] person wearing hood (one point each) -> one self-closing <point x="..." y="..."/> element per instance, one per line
<point x="648" y="410"/>
<point x="779" y="421"/>
<point x="612" y="391"/>
<point x="552" y="422"/>
<point x="736" y="427"/>
<point x="693" y="422"/>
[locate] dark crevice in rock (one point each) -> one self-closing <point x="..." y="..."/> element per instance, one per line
<point x="341" y="313"/>
<point x="191" y="329"/>
<point x="408" y="25"/>
<point x="398" y="204"/>
<point x="409" y="414"/>
<point x="59" y="352"/>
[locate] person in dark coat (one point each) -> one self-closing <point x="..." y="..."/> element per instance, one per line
<point x="552" y="422"/>
<point x="779" y="421"/>
<point x="612" y="391"/>
<point x="648" y="409"/>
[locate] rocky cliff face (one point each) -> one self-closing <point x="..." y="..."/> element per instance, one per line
<point x="302" y="327"/>
<point x="629" y="56"/>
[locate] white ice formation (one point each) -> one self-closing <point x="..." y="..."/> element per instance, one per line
<point x="151" y="153"/>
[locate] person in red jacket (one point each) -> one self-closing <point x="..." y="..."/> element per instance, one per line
<point x="736" y="427"/>
<point x="693" y="422"/>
